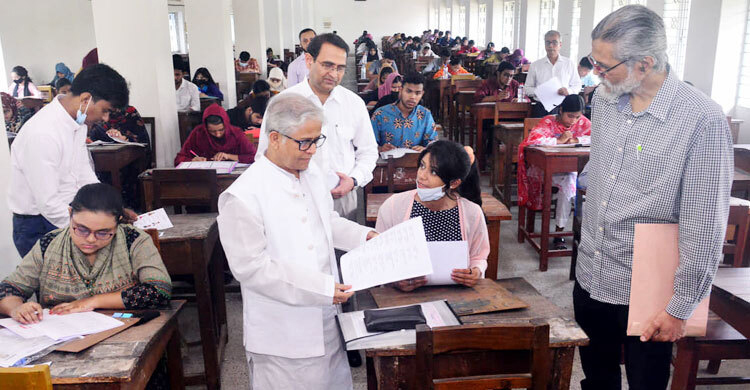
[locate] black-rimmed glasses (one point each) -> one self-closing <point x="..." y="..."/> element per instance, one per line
<point x="305" y="144"/>
<point x="84" y="232"/>
<point x="603" y="69"/>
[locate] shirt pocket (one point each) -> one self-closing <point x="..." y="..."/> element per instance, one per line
<point x="653" y="172"/>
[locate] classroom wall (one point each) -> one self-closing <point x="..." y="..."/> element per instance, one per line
<point x="10" y="258"/>
<point x="379" y="18"/>
<point x="49" y="32"/>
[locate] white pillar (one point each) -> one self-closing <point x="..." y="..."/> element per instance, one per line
<point x="210" y="43"/>
<point x="703" y="36"/>
<point x="149" y="73"/>
<point x="587" y="25"/>
<point x="274" y="27"/>
<point x="250" y="29"/>
<point x="533" y="40"/>
<point x="288" y="24"/>
<point x="10" y="255"/>
<point x="520" y="28"/>
<point x="565" y="25"/>
<point x="489" y="29"/>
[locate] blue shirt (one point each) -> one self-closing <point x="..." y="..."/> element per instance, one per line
<point x="391" y="127"/>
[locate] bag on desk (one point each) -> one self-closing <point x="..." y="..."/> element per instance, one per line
<point x="387" y="320"/>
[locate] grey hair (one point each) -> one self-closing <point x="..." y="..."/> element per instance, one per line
<point x="288" y="111"/>
<point x="551" y="33"/>
<point x="636" y="32"/>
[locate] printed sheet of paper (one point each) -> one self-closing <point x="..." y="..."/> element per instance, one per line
<point x="157" y="219"/>
<point x="445" y="257"/>
<point x="65" y="326"/>
<point x="219" y="166"/>
<point x="15" y="347"/>
<point x="398" y="253"/>
<point x="396" y="153"/>
<point x="547" y="93"/>
<point x="655" y="260"/>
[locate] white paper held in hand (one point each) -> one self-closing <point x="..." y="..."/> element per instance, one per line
<point x="398" y="253"/>
<point x="547" y="93"/>
<point x="156" y="219"/>
<point x="445" y="257"/>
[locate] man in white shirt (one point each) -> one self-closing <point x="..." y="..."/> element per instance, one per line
<point x="351" y="150"/>
<point x="188" y="95"/>
<point x="49" y="160"/>
<point x="553" y="65"/>
<point x="297" y="70"/>
<point x="279" y="230"/>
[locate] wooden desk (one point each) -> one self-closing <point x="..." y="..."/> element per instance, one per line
<point x="492" y="208"/>
<point x="147" y="184"/>
<point x="125" y="360"/>
<point x="461" y="105"/>
<point x="480" y="112"/>
<point x="510" y="135"/>
<point x="207" y="101"/>
<point x="730" y="298"/>
<point x="380" y="178"/>
<point x="741" y="184"/>
<point x="112" y="158"/>
<point x="394" y="368"/>
<point x="192" y="247"/>
<point x="186" y="122"/>
<point x="551" y="160"/>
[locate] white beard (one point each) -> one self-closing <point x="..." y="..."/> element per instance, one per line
<point x="614" y="91"/>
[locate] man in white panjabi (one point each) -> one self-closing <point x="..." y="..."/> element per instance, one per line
<point x="279" y="230"/>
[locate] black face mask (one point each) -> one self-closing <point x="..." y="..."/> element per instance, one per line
<point x="394" y="95"/>
<point x="201" y="82"/>
<point x="19" y="81"/>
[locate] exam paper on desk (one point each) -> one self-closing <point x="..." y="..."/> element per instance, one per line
<point x="398" y="253"/>
<point x="63" y="326"/>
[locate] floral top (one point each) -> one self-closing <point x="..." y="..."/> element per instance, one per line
<point x="391" y="127"/>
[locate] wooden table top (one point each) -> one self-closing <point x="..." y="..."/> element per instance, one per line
<point x="510" y="125"/>
<point x="114" y="359"/>
<point x="111" y="148"/>
<point x="740" y="175"/>
<point x="493" y="208"/>
<point x="565" y="152"/>
<point x="564" y="331"/>
<point x="735" y="281"/>
<point x="188" y="226"/>
<point x="146" y="175"/>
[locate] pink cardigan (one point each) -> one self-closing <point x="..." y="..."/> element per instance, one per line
<point x="397" y="209"/>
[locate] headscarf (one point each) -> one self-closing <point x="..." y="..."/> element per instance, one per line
<point x="277" y="73"/>
<point x="372" y="57"/>
<point x="10" y="102"/>
<point x="385" y="88"/>
<point x="517" y="58"/>
<point x="429" y="53"/>
<point x="205" y="145"/>
<point x="61" y="68"/>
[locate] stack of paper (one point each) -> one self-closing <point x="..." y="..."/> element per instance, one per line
<point x="446" y="256"/>
<point x="61" y="327"/>
<point x="396" y="153"/>
<point x="220" y="166"/>
<point x="17" y="349"/>
<point x="157" y="219"/>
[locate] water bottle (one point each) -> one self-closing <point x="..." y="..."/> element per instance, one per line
<point x="363" y="72"/>
<point x="521" y="96"/>
<point x="414" y="55"/>
<point x="446" y="74"/>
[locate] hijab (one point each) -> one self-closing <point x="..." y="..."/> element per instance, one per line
<point x="61" y="68"/>
<point x="385" y="88"/>
<point x="517" y="58"/>
<point x="277" y="73"/>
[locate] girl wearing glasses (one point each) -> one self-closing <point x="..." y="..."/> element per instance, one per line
<point x="94" y="263"/>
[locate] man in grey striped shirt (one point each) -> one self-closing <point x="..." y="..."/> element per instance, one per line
<point x="661" y="153"/>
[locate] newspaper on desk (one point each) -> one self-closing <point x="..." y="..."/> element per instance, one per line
<point x="398" y="253"/>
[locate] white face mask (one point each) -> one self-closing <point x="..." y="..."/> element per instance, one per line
<point x="430" y="194"/>
<point x="243" y="63"/>
<point x="81" y="117"/>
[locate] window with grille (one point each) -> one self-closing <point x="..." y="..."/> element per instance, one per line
<point x="676" y="18"/>
<point x="575" y="31"/>
<point x="509" y="18"/>
<point x="616" y="4"/>
<point x="547" y="20"/>
<point x="177" y="32"/>
<point x="445" y="20"/>
<point x="743" y="92"/>
<point x="461" y="20"/>
<point x="482" y="25"/>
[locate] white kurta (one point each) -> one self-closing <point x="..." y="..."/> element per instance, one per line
<point x="278" y="233"/>
<point x="350" y="146"/>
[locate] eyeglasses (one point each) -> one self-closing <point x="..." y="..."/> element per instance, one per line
<point x="551" y="43"/>
<point x="330" y="67"/>
<point x="603" y="69"/>
<point x="84" y="232"/>
<point x="305" y="144"/>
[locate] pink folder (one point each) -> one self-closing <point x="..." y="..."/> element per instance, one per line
<point x="655" y="259"/>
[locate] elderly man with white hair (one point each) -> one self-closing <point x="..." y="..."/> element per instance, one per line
<point x="549" y="66"/>
<point x="661" y="153"/>
<point x="279" y="231"/>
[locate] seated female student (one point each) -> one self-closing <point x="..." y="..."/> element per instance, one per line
<point x="22" y="85"/>
<point x="448" y="199"/>
<point x="385" y="88"/>
<point x="388" y="92"/>
<point x="277" y="80"/>
<point x="375" y="83"/>
<point x="372" y="56"/>
<point x="569" y="126"/>
<point x="95" y="263"/>
<point x="62" y="72"/>
<point x="15" y="115"/>
<point x="206" y="84"/>
<point x="217" y="140"/>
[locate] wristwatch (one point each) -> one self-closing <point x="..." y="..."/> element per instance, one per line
<point x="355" y="183"/>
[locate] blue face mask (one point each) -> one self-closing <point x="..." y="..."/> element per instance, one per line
<point x="430" y="194"/>
<point x="81" y="117"/>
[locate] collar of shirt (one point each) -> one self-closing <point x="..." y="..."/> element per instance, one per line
<point x="661" y="102"/>
<point x="306" y="91"/>
<point x="281" y="171"/>
<point x="393" y="107"/>
<point x="66" y="121"/>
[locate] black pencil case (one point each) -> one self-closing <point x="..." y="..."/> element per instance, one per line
<point x="387" y="320"/>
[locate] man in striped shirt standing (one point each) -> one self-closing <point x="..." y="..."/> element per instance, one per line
<point x="661" y="153"/>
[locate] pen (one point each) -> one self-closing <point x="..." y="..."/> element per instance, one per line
<point x="194" y="154"/>
<point x="639" y="149"/>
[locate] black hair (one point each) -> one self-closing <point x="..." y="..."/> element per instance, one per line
<point x="103" y="83"/>
<point x="489" y="44"/>
<point x="178" y="62"/>
<point x="471" y="41"/>
<point x="586" y="63"/>
<point x="505" y="65"/>
<point x="308" y="30"/>
<point x="269" y="49"/>
<point x="440" y="33"/>
<point x="314" y="47"/>
<point x="385" y="71"/>
<point x="98" y="197"/>
<point x="447" y="31"/>
<point x="505" y="50"/>
<point x="389" y="55"/>
<point x="61" y="83"/>
<point x="445" y="52"/>
<point x="414" y="78"/>
<point x="261" y="86"/>
<point x="244" y="56"/>
<point x="214" y="120"/>
<point x="21" y="72"/>
<point x="455" y="61"/>
<point x="205" y="73"/>
<point x="572" y="103"/>
<point x="259" y="104"/>
<point x="450" y="161"/>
